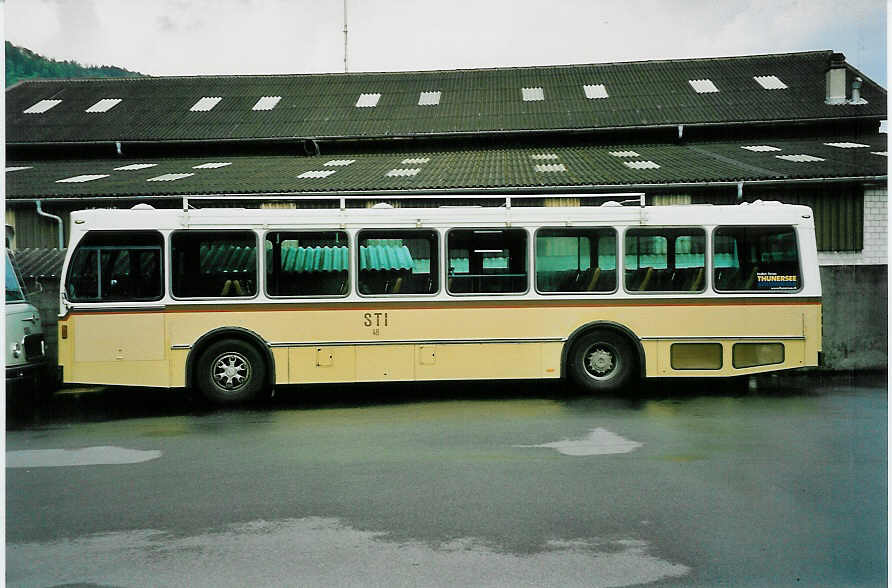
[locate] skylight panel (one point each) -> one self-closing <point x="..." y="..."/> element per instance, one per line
<point x="135" y="166"/>
<point x="205" y="104"/>
<point x="81" y="179"/>
<point x="317" y="173"/>
<point x="846" y="145"/>
<point x="595" y="91"/>
<point x="770" y="82"/>
<point x="169" y="177"/>
<point x="41" y="107"/>
<point x="550" y="167"/>
<point x="800" y="158"/>
<point x="104" y="105"/>
<point x="641" y="164"/>
<point x="266" y="103"/>
<point x="415" y="160"/>
<point x="543" y="156"/>
<point x="429" y="98"/>
<point x="703" y="86"/>
<point x="532" y="94"/>
<point x="760" y="148"/>
<point x="18" y="167"/>
<point x="625" y="154"/>
<point x="402" y="172"/>
<point x="212" y="165"/>
<point x="368" y="100"/>
<point x="339" y="162"/>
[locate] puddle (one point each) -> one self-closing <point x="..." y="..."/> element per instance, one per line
<point x="54" y="458"/>
<point x="326" y="552"/>
<point x="598" y="442"/>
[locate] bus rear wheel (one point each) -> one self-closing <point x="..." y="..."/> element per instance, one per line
<point x="602" y="361"/>
<point x="230" y="371"/>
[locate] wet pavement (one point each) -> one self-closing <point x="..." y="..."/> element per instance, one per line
<point x="779" y="481"/>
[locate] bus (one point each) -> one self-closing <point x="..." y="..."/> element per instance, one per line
<point x="235" y="301"/>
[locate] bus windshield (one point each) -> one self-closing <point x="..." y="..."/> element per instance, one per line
<point x="14" y="292"/>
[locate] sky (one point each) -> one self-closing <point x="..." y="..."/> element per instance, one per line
<point x="195" y="37"/>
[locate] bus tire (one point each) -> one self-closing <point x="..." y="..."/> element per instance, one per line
<point x="602" y="361"/>
<point x="230" y="371"/>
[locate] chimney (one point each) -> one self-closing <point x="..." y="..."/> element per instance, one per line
<point x="836" y="80"/>
<point x="856" y="92"/>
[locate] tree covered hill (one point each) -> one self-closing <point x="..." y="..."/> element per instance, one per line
<point x="23" y="64"/>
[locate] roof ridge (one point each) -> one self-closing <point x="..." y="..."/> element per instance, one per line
<point x="433" y="71"/>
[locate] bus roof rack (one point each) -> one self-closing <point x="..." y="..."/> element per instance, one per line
<point x="614" y="198"/>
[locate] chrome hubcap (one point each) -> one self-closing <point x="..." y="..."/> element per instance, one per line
<point x="601" y="361"/>
<point x="232" y="371"/>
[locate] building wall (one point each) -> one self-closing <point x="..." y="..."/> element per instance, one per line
<point x="34" y="231"/>
<point x="855" y="316"/>
<point x="876" y="234"/>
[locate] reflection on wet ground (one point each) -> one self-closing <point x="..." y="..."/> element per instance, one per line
<point x="92" y="404"/>
<point x="777" y="480"/>
<point x="325" y="552"/>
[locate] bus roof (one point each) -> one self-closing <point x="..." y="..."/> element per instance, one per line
<point x="611" y="213"/>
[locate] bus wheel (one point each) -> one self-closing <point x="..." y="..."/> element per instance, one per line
<point x="230" y="371"/>
<point x="602" y="361"/>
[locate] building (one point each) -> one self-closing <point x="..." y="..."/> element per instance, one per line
<point x="797" y="127"/>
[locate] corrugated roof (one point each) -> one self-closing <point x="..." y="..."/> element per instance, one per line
<point x="581" y="165"/>
<point x="39" y="263"/>
<point x="385" y="257"/>
<point x="314" y="259"/>
<point x="486" y="100"/>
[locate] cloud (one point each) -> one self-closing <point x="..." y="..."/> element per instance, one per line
<point x="292" y="36"/>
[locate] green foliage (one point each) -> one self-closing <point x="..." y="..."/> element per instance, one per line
<point x="23" y="64"/>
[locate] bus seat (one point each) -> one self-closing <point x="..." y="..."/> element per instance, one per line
<point x="647" y="277"/>
<point x="232" y="288"/>
<point x="751" y="281"/>
<point x="593" y="281"/>
<point x="697" y="282"/>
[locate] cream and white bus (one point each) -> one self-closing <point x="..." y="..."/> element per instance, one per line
<point x="236" y="301"/>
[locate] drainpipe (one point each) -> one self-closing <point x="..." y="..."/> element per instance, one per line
<point x="58" y="219"/>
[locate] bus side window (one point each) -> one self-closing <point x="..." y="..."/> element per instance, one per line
<point x="487" y="261"/>
<point x="756" y="259"/>
<point x="665" y="260"/>
<point x="395" y="261"/>
<point x="576" y="260"/>
<point x="116" y="266"/>
<point x="307" y="263"/>
<point x="214" y="264"/>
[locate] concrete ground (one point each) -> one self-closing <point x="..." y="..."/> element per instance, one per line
<point x="715" y="482"/>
